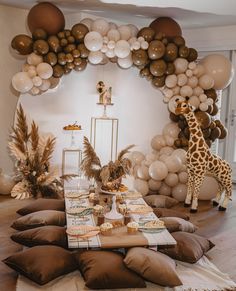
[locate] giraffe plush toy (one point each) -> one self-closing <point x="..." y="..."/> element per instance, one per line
<point x="200" y="161"/>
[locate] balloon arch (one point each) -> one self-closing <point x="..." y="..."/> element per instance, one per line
<point x="158" y="51"/>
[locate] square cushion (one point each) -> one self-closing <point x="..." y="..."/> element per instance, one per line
<point x="190" y="247"/>
<point x="178" y="224"/>
<point x="106" y="269"/>
<point x="160" y="201"/>
<point x="44" y="235"/>
<point x="165" y="212"/>
<point x="42" y="204"/>
<point x="152" y="266"/>
<point x="40" y="218"/>
<point x="42" y="264"/>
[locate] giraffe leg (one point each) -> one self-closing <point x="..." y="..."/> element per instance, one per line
<point x="197" y="184"/>
<point x="224" y="204"/>
<point x="227" y="182"/>
<point x="188" y="198"/>
<point x="216" y="200"/>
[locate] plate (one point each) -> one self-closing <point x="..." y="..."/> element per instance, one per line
<point x="83" y="230"/>
<point x="151" y="230"/>
<point x="80" y="211"/>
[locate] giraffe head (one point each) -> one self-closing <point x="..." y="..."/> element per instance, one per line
<point x="183" y="107"/>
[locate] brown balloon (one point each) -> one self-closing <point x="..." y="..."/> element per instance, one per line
<point x="179" y="40"/>
<point x="76" y="53"/>
<point x="178" y="143"/>
<point x="183" y="51"/>
<point x="187" y="132"/>
<point x="47" y="16"/>
<point x="156" y="50"/>
<point x="181" y="124"/>
<point x="61" y="58"/>
<point x="215" y="110"/>
<point x="144" y="72"/>
<point x="54" y="82"/>
<point x="206" y="132"/>
<point x="215" y="133"/>
<point x="203" y="118"/>
<point x="61" y="34"/>
<point x="79" y="31"/>
<point x="67" y="70"/>
<point x="193" y="55"/>
<point x="159" y="35"/>
<point x="212" y="125"/>
<point x="39" y="33"/>
<point x="209" y="109"/>
<point x="70" y="66"/>
<point x="71" y="39"/>
<point x="166" y="25"/>
<point x="171" y="53"/>
<point x="165" y="41"/>
<point x="23" y="44"/>
<point x="84" y="52"/>
<point x="170" y="69"/>
<point x="41" y="47"/>
<point x="173" y="117"/>
<point x="82" y="66"/>
<point x="113" y="60"/>
<point x="77" y="61"/>
<point x="51" y="58"/>
<point x="147" y="33"/>
<point x="140" y="57"/>
<point x="224" y="132"/>
<point x="69" y="58"/>
<point x="58" y="71"/>
<point x="158" y="68"/>
<point x="158" y="81"/>
<point x="63" y="42"/>
<point x="211" y="93"/>
<point x="67" y="33"/>
<point x="54" y="44"/>
<point x="69" y="48"/>
<point x="208" y="142"/>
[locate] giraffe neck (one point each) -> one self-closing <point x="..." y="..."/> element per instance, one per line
<point x="193" y="124"/>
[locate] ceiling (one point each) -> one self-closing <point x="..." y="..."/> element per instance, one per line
<point x="188" y="13"/>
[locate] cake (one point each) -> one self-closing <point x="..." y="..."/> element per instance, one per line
<point x="106" y="228"/>
<point x="73" y="126"/>
<point x="154" y="224"/>
<point x="98" y="209"/>
<point x="122" y="208"/>
<point x="132" y="227"/>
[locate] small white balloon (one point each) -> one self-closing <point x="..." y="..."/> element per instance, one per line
<point x="45" y="85"/>
<point x="125" y="63"/>
<point x="44" y="70"/>
<point x="110" y="53"/>
<point x="125" y="32"/>
<point x="203" y="97"/>
<point x="113" y="34"/>
<point x="198" y="91"/>
<point x="104" y="49"/>
<point x="203" y="106"/>
<point x="158" y="142"/>
<point x="154" y="185"/>
<point x="122" y="49"/>
<point x="25" y="67"/>
<point x="135" y="45"/>
<point x="171" y="179"/>
<point x="32" y="72"/>
<point x="192" y="65"/>
<point x="199" y="70"/>
<point x="181" y="65"/>
<point x="111" y="44"/>
<point x="93" y="41"/>
<point x="168" y="93"/>
<point x="182" y="79"/>
<point x="34" y="59"/>
<point x="186" y="91"/>
<point x="189" y="73"/>
<point x="141" y="186"/>
<point x="87" y="22"/>
<point x="209" y="101"/>
<point x="132" y="40"/>
<point x="100" y="25"/>
<point x="105" y="40"/>
<point x="37" y="81"/>
<point x="194" y="101"/>
<point x="176" y="90"/>
<point x="144" y="45"/>
<point x="192" y="82"/>
<point x="171" y="81"/>
<point x="35" y="91"/>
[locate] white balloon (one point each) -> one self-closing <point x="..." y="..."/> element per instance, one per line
<point x="189" y="73"/>
<point x="179" y="192"/>
<point x="44" y="70"/>
<point x="111" y="44"/>
<point x="113" y="34"/>
<point x="95" y="57"/>
<point x="140" y="39"/>
<point x="125" y="63"/>
<point x="45" y="85"/>
<point x="112" y="25"/>
<point x="173" y="163"/>
<point x="181" y="65"/>
<point x="176" y="90"/>
<point x="151" y="157"/>
<point x="105" y="39"/>
<point x="32" y="72"/>
<point x="209" y="188"/>
<point x="37" y="81"/>
<point x="203" y="106"/>
<point x="173" y="102"/>
<point x="172" y="179"/>
<point x="22" y="82"/>
<point x="35" y="91"/>
<point x="87" y="22"/>
<point x="34" y="59"/>
<point x="93" y="41"/>
<point x="206" y="82"/>
<point x="209" y="101"/>
<point x="133" y="30"/>
<point x="199" y="70"/>
<point x="125" y="32"/>
<point x="122" y="49"/>
<point x="171" y="129"/>
<point x="25" y="67"/>
<point x="132" y="40"/>
<point x="169" y="140"/>
<point x="158" y="142"/>
<point x="154" y="185"/>
<point x="135" y="45"/>
<point x="163" y="157"/>
<point x="100" y="25"/>
<point x="203" y="97"/>
<point x="104" y="48"/>
<point x="158" y="170"/>
<point x="166" y="150"/>
<point x="186" y="91"/>
<point x="182" y="79"/>
<point x="192" y="82"/>
<point x="183" y="177"/>
<point x="137" y="157"/>
<point x="110" y="53"/>
<point x="168" y="93"/>
<point x="165" y="190"/>
<point x="142" y="172"/>
<point x="192" y="65"/>
<point x="171" y="81"/>
<point x="180" y="153"/>
<point x="144" y="45"/>
<point x="141" y="186"/>
<point x="197" y="91"/>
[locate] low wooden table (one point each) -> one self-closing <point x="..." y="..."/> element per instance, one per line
<point x="119" y="238"/>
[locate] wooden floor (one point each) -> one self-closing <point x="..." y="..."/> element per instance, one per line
<point x="220" y="227"/>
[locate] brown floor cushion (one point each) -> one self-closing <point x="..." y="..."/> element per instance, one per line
<point x="42" y="264"/>
<point x="40" y="218"/>
<point x="153" y="266"/>
<point x="178" y="224"/>
<point x="44" y="235"/>
<point x="165" y="212"/>
<point x="190" y="247"/>
<point x="106" y="270"/>
<point x="42" y="204"/>
<point x="160" y="201"/>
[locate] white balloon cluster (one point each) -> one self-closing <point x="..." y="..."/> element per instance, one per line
<point x="189" y="81"/>
<point x="106" y="41"/>
<point x="36" y="76"/>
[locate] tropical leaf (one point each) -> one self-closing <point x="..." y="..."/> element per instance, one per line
<point x="21" y="190"/>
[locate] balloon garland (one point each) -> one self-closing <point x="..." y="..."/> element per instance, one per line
<point x="158" y="51"/>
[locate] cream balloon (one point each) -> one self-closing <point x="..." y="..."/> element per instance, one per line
<point x="25" y="67"/>
<point x="110" y="53"/>
<point x="125" y="32"/>
<point x="158" y="142"/>
<point x="182" y="79"/>
<point x="206" y="82"/>
<point x="173" y="163"/>
<point x="95" y="58"/>
<point x="192" y="82"/>
<point x="179" y="192"/>
<point x="142" y="173"/>
<point x="141" y="186"/>
<point x="35" y="91"/>
<point x="186" y="91"/>
<point x="93" y="41"/>
<point x="133" y="30"/>
<point x="209" y="188"/>
<point x="189" y="73"/>
<point x="151" y="157"/>
<point x="87" y="22"/>
<point x="112" y="25"/>
<point x="125" y="63"/>
<point x="101" y="26"/>
<point x="45" y="85"/>
<point x="113" y="34"/>
<point x="194" y="101"/>
<point x="199" y="70"/>
<point x="171" y="81"/>
<point x="169" y="140"/>
<point x="197" y="91"/>
<point x="163" y="157"/>
<point x="167" y="150"/>
<point x="44" y="70"/>
<point x="37" y="81"/>
<point x="171" y="129"/>
<point x="144" y="45"/>
<point x="154" y="185"/>
<point x="171" y="179"/>
<point x="137" y="157"/>
<point x="183" y="177"/>
<point x="158" y="170"/>
<point x="32" y="72"/>
<point x="22" y="82"/>
<point x="203" y="106"/>
<point x="181" y="154"/>
<point x="181" y="65"/>
<point x="122" y="49"/>
<point x="165" y="190"/>
<point x="34" y="59"/>
<point x="111" y="44"/>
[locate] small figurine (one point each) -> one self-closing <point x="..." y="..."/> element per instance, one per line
<point x="104" y="93"/>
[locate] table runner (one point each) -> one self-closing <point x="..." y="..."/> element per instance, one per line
<point x="119" y="238"/>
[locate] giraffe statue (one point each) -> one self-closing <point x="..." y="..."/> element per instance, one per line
<point x="201" y="161"/>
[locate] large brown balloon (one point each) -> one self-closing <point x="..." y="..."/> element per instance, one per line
<point x="166" y="25"/>
<point x="79" y="31"/>
<point x="147" y="33"/>
<point x="215" y="133"/>
<point x="23" y="44"/>
<point x="204" y="119"/>
<point x="54" y="44"/>
<point x="140" y="57"/>
<point x="41" y="47"/>
<point x="224" y="132"/>
<point x="82" y="66"/>
<point x="51" y="58"/>
<point x="215" y="110"/>
<point x="58" y="71"/>
<point x="47" y="16"/>
<point x="158" y="68"/>
<point x="158" y="81"/>
<point x="171" y="52"/>
<point x="156" y="50"/>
